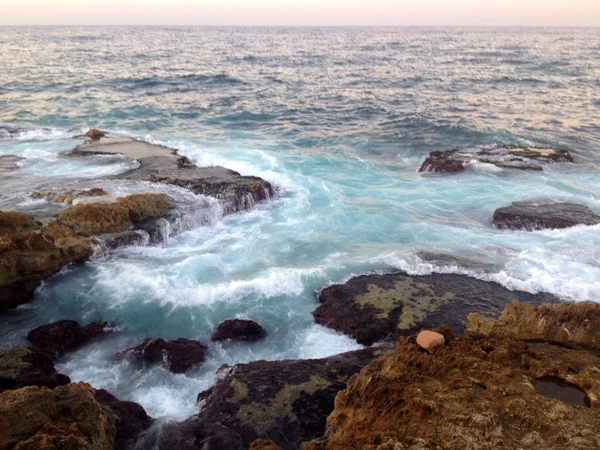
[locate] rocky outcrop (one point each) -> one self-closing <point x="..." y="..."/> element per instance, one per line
<point x="532" y="215"/>
<point x="178" y="355"/>
<point x="68" y="196"/>
<point x="131" y="419"/>
<point x="508" y="388"/>
<point x="90" y="219"/>
<point x="64" y="336"/>
<point x="164" y="165"/>
<point x="66" y="417"/>
<point x="95" y="134"/>
<point x="30" y="253"/>
<point x="371" y="308"/>
<point x="21" y="366"/>
<point x="239" y="330"/>
<point x="506" y="157"/>
<point x="284" y="401"/>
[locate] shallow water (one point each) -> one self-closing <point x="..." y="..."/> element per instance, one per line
<point x="340" y="120"/>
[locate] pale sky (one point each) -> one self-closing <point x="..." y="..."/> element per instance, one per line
<point x="301" y="12"/>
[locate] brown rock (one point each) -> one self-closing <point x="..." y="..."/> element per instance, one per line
<point x="64" y="336"/>
<point x="506" y="389"/>
<point x="20" y="366"/>
<point x="67" y="417"/>
<point x="12" y="222"/>
<point x="429" y="340"/>
<point x="263" y="444"/>
<point x="95" y="134"/>
<point x="68" y="196"/>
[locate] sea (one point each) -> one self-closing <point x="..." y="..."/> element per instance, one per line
<point x="339" y="120"/>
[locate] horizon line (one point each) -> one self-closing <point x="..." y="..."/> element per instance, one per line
<point x="301" y="26"/>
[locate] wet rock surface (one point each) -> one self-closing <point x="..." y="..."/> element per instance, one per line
<point x="506" y="157"/>
<point x="239" y="330"/>
<point x="284" y="401"/>
<point x="478" y="391"/>
<point x="532" y="215"/>
<point x="178" y="355"/>
<point x="371" y="308"/>
<point x="64" y="336"/>
<point x="21" y="366"/>
<point x="9" y="163"/>
<point x="164" y="165"/>
<point x="66" y="417"/>
<point x="68" y="196"/>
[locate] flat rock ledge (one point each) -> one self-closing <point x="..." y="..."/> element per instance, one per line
<point x="528" y="380"/>
<point x="371" y="308"/>
<point x="284" y="401"/>
<point x="506" y="157"/>
<point x="532" y="215"/>
<point x="163" y="165"/>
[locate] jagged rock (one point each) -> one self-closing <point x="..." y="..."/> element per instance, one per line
<point x="429" y="340"/>
<point x="507" y="157"/>
<point x="532" y="215"/>
<point x="575" y="325"/>
<point x="284" y="401"/>
<point x="66" y="417"/>
<point x="21" y="366"/>
<point x="69" y="196"/>
<point x="371" y="308"/>
<point x="91" y="219"/>
<point x="164" y="165"/>
<point x="240" y="330"/>
<point x="131" y="419"/>
<point x="30" y="254"/>
<point x="178" y="355"/>
<point x="64" y="336"/>
<point x="478" y="391"/>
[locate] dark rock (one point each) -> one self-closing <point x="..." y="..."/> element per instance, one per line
<point x="21" y="366"/>
<point x="64" y="336"/>
<point x="125" y="238"/>
<point x="131" y="419"/>
<point x="531" y="215"/>
<point x="284" y="401"/>
<point x="241" y="330"/>
<point x="507" y="157"/>
<point x="371" y="308"/>
<point x="509" y="388"/>
<point x="191" y="434"/>
<point x="178" y="355"/>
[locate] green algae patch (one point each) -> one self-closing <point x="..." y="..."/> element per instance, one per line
<point x="240" y="390"/>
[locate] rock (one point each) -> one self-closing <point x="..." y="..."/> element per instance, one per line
<point x="30" y="254"/>
<point x="94" y="134"/>
<point x="91" y="219"/>
<point x="21" y="366"/>
<point x="240" y="330"/>
<point x="69" y="196"/>
<point x="131" y="419"/>
<point x="284" y="401"/>
<point x="478" y="391"/>
<point x="573" y="325"/>
<point x="429" y="340"/>
<point x="507" y="157"/>
<point x="371" y="308"/>
<point x="9" y="163"/>
<point x="64" y="336"/>
<point x="66" y="417"/>
<point x="178" y="355"/>
<point x="532" y="215"/>
<point x="125" y="238"/>
<point x="164" y="165"/>
<point x="263" y="444"/>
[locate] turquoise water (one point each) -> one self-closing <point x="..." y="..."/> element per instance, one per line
<point x="340" y="120"/>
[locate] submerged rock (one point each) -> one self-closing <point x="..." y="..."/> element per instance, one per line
<point x="284" y="401"/>
<point x="131" y="419"/>
<point x="240" y="330"/>
<point x="64" y="336"/>
<point x="479" y="391"/>
<point x="21" y="366"/>
<point x="9" y="163"/>
<point x="164" y="165"/>
<point x="532" y="215"/>
<point x="66" y="417"/>
<point x="68" y="196"/>
<point x="507" y="157"/>
<point x="371" y="308"/>
<point x="178" y="355"/>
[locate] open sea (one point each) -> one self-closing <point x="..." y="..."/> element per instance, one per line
<point x="339" y="119"/>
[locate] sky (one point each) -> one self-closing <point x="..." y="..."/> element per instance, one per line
<point x="301" y="12"/>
